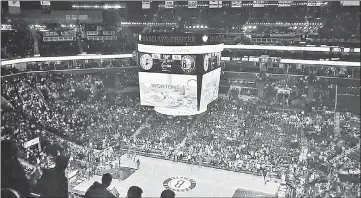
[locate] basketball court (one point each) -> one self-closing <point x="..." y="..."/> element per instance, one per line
<point x="155" y="175"/>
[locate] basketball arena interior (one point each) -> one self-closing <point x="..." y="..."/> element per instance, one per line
<point x="180" y="99"/>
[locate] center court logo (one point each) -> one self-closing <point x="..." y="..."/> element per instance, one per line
<point x="179" y="184"/>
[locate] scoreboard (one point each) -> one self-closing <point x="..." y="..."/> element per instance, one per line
<point x="179" y="64"/>
<point x="179" y="73"/>
<point x="168" y="63"/>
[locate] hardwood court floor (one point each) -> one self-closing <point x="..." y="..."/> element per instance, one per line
<point x="156" y="174"/>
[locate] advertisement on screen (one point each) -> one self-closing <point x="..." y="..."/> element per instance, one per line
<point x="210" y="87"/>
<point x="168" y="90"/>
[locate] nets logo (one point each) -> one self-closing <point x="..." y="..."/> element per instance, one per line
<point x="179" y="184"/>
<point x="187" y="64"/>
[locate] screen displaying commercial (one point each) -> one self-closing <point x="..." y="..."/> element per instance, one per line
<point x="210" y="87"/>
<point x="176" y="64"/>
<point x="168" y="90"/>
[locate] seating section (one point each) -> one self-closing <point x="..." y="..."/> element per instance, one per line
<point x="75" y="113"/>
<point x="16" y="44"/>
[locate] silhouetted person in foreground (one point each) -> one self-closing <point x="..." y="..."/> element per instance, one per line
<point x="53" y="182"/>
<point x="100" y="190"/>
<point x="167" y="194"/>
<point x="9" y="193"/>
<point x="134" y="192"/>
<point x="12" y="173"/>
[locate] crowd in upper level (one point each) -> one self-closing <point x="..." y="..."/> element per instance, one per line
<point x="66" y="65"/>
<point x="240" y="25"/>
<point x="63" y="41"/>
<point x="301" y="55"/>
<point x="16" y="44"/>
<point x="315" y="22"/>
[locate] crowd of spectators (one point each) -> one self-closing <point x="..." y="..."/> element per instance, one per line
<point x="60" y="104"/>
<point x="82" y="114"/>
<point x="20" y="42"/>
<point x="351" y="73"/>
<point x="62" y="48"/>
<point x="216" y="142"/>
<point x="304" y="55"/>
<point x="335" y="24"/>
<point x="16" y="44"/>
<point x="67" y="65"/>
<point x="162" y="134"/>
<point x="234" y="135"/>
<point x="316" y="22"/>
<point x="104" y="47"/>
<point x="226" y="20"/>
<point x="319" y="91"/>
<point x="51" y="91"/>
<point x="168" y="16"/>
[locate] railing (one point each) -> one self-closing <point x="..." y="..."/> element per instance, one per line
<point x="92" y="56"/>
<point x="62" y="58"/>
<point x="288" y="48"/>
<point x="302" y="62"/>
<point x="244" y="47"/>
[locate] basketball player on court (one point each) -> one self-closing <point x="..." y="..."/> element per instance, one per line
<point x="189" y="161"/>
<point x="193" y="161"/>
<point x="119" y="160"/>
<point x="138" y="164"/>
<point x="134" y="155"/>
<point x="200" y="159"/>
<point x="264" y="172"/>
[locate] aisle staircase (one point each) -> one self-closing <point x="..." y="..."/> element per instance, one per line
<point x="304" y="149"/>
<point x="190" y="130"/>
<point x="345" y="153"/>
<point x="36" y="42"/>
<point x="81" y="50"/>
<point x="143" y="125"/>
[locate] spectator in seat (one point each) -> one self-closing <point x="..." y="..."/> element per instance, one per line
<point x="167" y="194"/>
<point x="134" y="192"/>
<point x="12" y="173"/>
<point x="100" y="190"/>
<point x="53" y="182"/>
